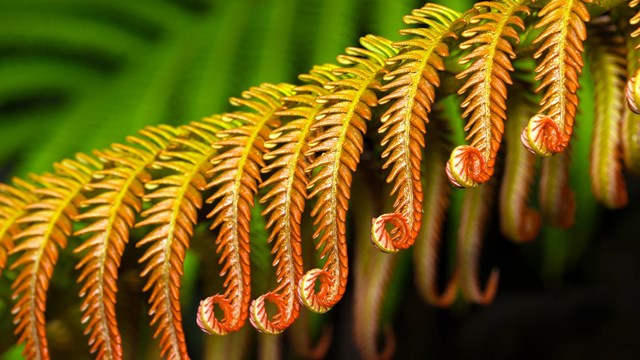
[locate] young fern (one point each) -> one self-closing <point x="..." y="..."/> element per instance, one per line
<point x="176" y="198"/>
<point x="560" y="46"/>
<point x="630" y="132"/>
<point x="314" y="154"/>
<point x="410" y="93"/>
<point x="116" y="198"/>
<point x="236" y="173"/>
<point x="473" y="218"/>
<point x="608" y="66"/>
<point x="13" y="203"/>
<point x="337" y="147"/>
<point x="47" y="223"/>
<point x="436" y="204"/>
<point x="518" y="221"/>
<point x="495" y="25"/>
<point x="286" y="198"/>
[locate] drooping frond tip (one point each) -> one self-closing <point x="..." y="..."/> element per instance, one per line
<point x="495" y="25"/>
<point x="560" y="46"/>
<point x="175" y="200"/>
<point x="286" y="197"/>
<point x="115" y="199"/>
<point x="410" y="93"/>
<point x="46" y="224"/>
<point x="608" y="66"/>
<point x="518" y="220"/>
<point x="236" y="174"/>
<point x="337" y="148"/>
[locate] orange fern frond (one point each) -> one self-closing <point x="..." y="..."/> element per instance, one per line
<point x="286" y="198"/>
<point x="557" y="200"/>
<point x="564" y="30"/>
<point x="47" y="224"/>
<point x="476" y="208"/>
<point x="630" y="132"/>
<point x="411" y="91"/>
<point x="493" y="27"/>
<point x="436" y="203"/>
<point x="608" y="66"/>
<point x="116" y="198"/>
<point x="341" y="125"/>
<point x="236" y="173"/>
<point x="518" y="221"/>
<point x="176" y="200"/>
<point x="13" y="203"/>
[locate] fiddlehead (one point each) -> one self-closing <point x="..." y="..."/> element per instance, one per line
<point x="286" y="198"/>
<point x="410" y="93"/>
<point x="560" y="46"/>
<point x="47" y="225"/>
<point x="337" y="147"/>
<point x="236" y="173"/>
<point x="496" y="24"/>
<point x="116" y="198"/>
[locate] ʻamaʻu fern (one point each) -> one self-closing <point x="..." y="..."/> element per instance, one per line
<point x="176" y="200"/>
<point x="307" y="142"/>
<point x="489" y="36"/>
<point x="560" y="47"/>
<point x="337" y="149"/>
<point x="287" y="161"/>
<point x="46" y="225"/>
<point x="236" y="173"/>
<point x="116" y="197"/>
<point x="411" y="92"/>
<point x="608" y="66"/>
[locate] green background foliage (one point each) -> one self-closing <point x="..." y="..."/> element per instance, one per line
<point x="77" y="75"/>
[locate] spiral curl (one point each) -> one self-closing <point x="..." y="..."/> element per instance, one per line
<point x="390" y="242"/>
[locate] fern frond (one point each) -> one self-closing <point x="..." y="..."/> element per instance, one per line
<point x="608" y="66"/>
<point x="630" y="132"/>
<point x="410" y="92"/>
<point x="476" y="208"/>
<point x="176" y="200"/>
<point x="436" y="202"/>
<point x="236" y="173"/>
<point x="286" y="199"/>
<point x="557" y="200"/>
<point x="560" y="46"/>
<point x="337" y="147"/>
<point x="13" y="203"/>
<point x="495" y="25"/>
<point x="47" y="224"/>
<point x="633" y="86"/>
<point x="518" y="221"/>
<point x="117" y="192"/>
